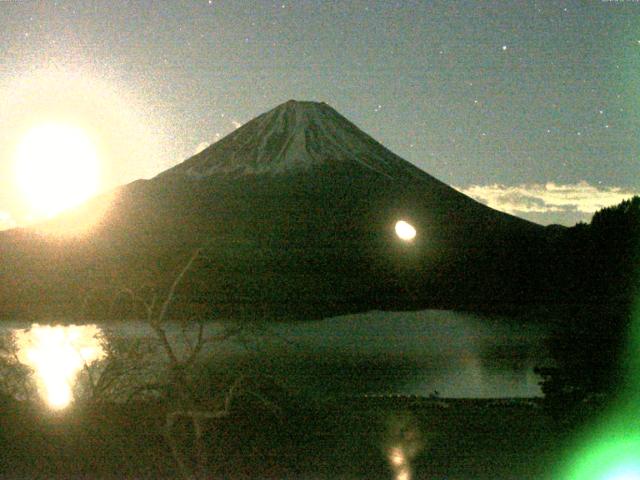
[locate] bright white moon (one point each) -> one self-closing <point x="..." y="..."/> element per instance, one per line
<point x="56" y="167"/>
<point x="405" y="231"/>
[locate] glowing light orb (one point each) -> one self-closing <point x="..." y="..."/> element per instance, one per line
<point x="57" y="354"/>
<point x="56" y="167"/>
<point x="405" y="231"/>
<point x="611" y="455"/>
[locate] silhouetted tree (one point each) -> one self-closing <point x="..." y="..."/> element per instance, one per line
<point x="596" y="272"/>
<point x="189" y="412"/>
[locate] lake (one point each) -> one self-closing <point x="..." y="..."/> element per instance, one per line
<point x="347" y="410"/>
<point x="439" y="353"/>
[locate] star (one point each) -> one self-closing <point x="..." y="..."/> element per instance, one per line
<point x="504" y="47"/>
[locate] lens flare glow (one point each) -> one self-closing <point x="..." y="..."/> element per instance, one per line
<point x="402" y="445"/>
<point x="405" y="231"/>
<point x="624" y="474"/>
<point x="396" y="456"/>
<point x="611" y="454"/>
<point x="56" y="167"/>
<point x="57" y="354"/>
<point x="399" y="463"/>
<point x="610" y="448"/>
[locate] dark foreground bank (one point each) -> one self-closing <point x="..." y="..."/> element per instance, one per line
<point x="398" y="438"/>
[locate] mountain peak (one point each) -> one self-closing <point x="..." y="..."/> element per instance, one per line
<point x="293" y="102"/>
<point x="295" y="135"/>
<point x="302" y="104"/>
<point x="301" y="109"/>
<point x="297" y="114"/>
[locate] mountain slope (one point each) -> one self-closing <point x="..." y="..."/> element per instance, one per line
<point x="294" y="213"/>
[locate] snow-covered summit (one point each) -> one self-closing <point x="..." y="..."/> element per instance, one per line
<point x="295" y="135"/>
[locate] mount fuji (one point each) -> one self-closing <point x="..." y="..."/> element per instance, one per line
<point x="293" y="215"/>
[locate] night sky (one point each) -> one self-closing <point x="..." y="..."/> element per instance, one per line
<point x="532" y="107"/>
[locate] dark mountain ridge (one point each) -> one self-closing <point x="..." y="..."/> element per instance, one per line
<point x="294" y="216"/>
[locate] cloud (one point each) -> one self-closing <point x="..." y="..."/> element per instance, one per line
<point x="579" y="197"/>
<point x="201" y="146"/>
<point x="216" y="136"/>
<point x="7" y="221"/>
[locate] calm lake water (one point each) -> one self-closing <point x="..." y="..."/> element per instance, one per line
<point x="454" y="354"/>
<point x="366" y="355"/>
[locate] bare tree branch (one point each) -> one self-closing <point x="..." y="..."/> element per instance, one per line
<point x="176" y="282"/>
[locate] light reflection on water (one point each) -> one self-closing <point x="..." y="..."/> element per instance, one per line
<point x="57" y="354"/>
<point x="403" y="442"/>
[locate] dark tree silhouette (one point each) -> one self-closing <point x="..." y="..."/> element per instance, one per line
<point x="596" y="272"/>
